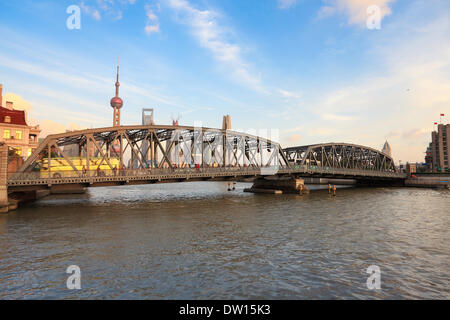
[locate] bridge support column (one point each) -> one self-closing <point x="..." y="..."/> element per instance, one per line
<point x="278" y="185"/>
<point x="4" y="203"/>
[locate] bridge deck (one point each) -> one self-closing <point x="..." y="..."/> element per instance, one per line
<point x="93" y="178"/>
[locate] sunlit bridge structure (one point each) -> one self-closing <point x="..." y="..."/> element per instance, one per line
<point x="336" y="157"/>
<point x="147" y="154"/>
<point x="158" y="153"/>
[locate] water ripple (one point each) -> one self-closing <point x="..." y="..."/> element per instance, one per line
<point x="198" y="241"/>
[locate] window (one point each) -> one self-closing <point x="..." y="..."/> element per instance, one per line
<point x="19" y="135"/>
<point x="29" y="152"/>
<point x="6" y="134"/>
<point x="8" y="119"/>
<point x="19" y="152"/>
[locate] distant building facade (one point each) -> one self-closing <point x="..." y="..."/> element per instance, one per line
<point x="226" y="122"/>
<point x="411" y="168"/>
<point x="14" y="130"/>
<point x="439" y="148"/>
<point x="429" y="158"/>
<point x="74" y="150"/>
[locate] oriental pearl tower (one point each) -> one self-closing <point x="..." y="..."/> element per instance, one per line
<point x="117" y="102"/>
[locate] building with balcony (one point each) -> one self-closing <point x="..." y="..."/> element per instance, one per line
<point x="429" y="158"/>
<point x="439" y="148"/>
<point x="14" y="130"/>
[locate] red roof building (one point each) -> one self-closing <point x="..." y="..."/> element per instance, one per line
<point x="12" y="116"/>
<point x="14" y="130"/>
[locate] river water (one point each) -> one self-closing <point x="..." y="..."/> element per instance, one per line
<point x="198" y="241"/>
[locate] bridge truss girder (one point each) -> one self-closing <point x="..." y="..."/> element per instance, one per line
<point x="152" y="146"/>
<point x="340" y="156"/>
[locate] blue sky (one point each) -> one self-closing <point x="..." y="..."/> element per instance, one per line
<point x="301" y="72"/>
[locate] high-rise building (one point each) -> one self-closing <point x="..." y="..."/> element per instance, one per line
<point x="147" y="147"/>
<point x="147" y="117"/>
<point x="429" y="157"/>
<point x="226" y="122"/>
<point x="14" y="130"/>
<point x="439" y="148"/>
<point x="387" y="149"/>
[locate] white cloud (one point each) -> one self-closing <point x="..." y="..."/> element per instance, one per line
<point x="18" y="102"/>
<point x="151" y="15"/>
<point x="289" y="94"/>
<point x="205" y="27"/>
<point x="337" y="117"/>
<point x="285" y="4"/>
<point x="152" y="25"/>
<point x="90" y="11"/>
<point x="355" y="10"/>
<point x="47" y="126"/>
<point x="296" y="129"/>
<point x="71" y="79"/>
<point x="326" y="11"/>
<point x="52" y="127"/>
<point x="112" y="8"/>
<point x="323" y="131"/>
<point x="294" y="138"/>
<point x="151" y="29"/>
<point x="96" y="15"/>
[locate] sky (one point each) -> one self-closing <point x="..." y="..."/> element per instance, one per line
<point x="296" y="71"/>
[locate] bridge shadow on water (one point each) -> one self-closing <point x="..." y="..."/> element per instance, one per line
<point x="163" y="193"/>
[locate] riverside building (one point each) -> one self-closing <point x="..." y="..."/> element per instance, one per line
<point x="14" y="130"/>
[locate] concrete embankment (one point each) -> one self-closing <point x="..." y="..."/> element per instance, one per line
<point x="435" y="181"/>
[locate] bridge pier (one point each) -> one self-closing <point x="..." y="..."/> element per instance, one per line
<point x="4" y="203"/>
<point x="278" y="185"/>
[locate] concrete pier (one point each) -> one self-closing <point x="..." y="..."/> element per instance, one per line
<point x="278" y="185"/>
<point x="4" y="203"/>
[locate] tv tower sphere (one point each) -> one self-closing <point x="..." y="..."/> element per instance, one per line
<point x="116" y="102"/>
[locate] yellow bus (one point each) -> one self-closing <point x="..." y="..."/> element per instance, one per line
<point x="60" y="167"/>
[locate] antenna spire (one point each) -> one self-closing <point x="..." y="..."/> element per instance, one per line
<point x="117" y="81"/>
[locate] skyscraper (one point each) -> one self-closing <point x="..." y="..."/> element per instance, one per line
<point x="439" y="147"/>
<point x="226" y="122"/>
<point x="387" y="149"/>
<point x="148" y="147"/>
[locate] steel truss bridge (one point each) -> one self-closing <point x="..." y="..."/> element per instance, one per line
<point x="156" y="153"/>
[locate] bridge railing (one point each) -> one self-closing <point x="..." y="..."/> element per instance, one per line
<point x="83" y="176"/>
<point x="153" y="172"/>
